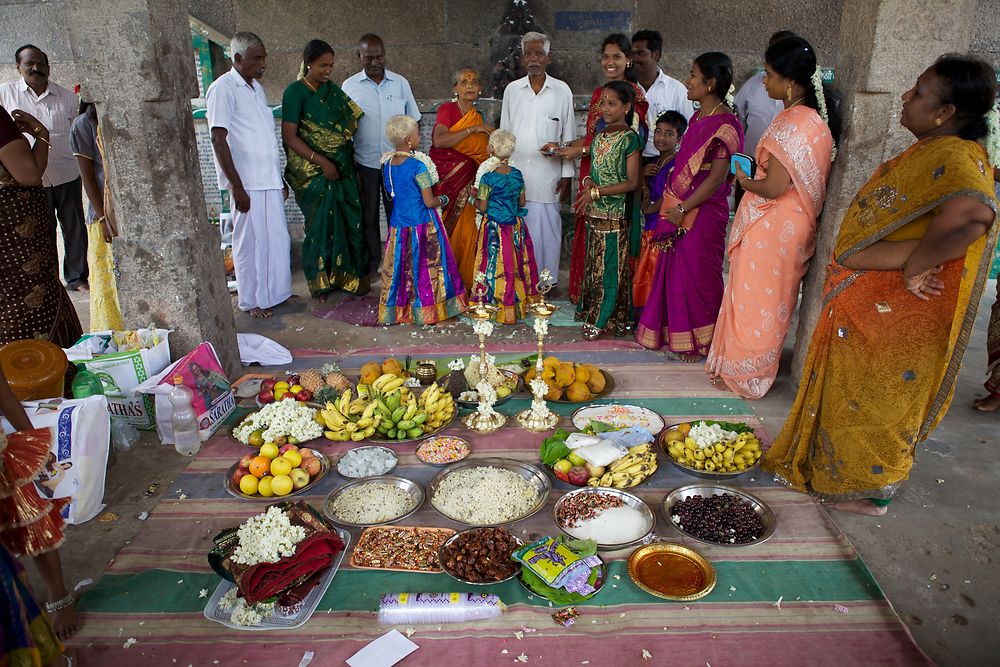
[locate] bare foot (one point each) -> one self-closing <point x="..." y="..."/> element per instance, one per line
<point x="321" y="298"/>
<point x="260" y="313"/>
<point x="691" y="358"/>
<point x="859" y="507"/>
<point x="64" y="622"/>
<point x="988" y="403"/>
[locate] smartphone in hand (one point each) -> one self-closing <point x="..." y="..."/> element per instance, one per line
<point x="744" y="162"/>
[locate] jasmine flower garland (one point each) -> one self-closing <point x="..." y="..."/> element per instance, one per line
<point x="817" y="83"/>
<point x="267" y="538"/>
<point x="993" y="136"/>
<point x="488" y="165"/>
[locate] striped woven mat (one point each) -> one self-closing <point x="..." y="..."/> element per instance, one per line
<point x="831" y="611"/>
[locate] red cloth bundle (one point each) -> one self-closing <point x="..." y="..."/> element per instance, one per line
<point x="295" y="574"/>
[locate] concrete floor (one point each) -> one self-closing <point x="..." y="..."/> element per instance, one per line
<point x="933" y="554"/>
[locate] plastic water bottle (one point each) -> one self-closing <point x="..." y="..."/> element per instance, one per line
<point x="86" y="384"/>
<point x="187" y="439"/>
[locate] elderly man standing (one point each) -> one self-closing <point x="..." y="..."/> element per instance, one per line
<point x="538" y="109"/>
<point x="247" y="164"/>
<point x="381" y="94"/>
<point x="663" y="93"/>
<point x="56" y="108"/>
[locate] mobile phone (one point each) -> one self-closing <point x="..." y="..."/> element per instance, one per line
<point x="745" y="162"/>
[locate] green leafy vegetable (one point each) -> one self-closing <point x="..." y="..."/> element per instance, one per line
<point x="554" y="447"/>
<point x="730" y="426"/>
<point x="596" y="427"/>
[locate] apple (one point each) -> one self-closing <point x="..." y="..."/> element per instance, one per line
<point x="292" y="380"/>
<point x="245" y="461"/>
<point x="288" y="396"/>
<point x="576" y="459"/>
<point x="561" y="475"/>
<point x="268" y="384"/>
<point x="238" y="474"/>
<point x="266" y="396"/>
<point x="310" y="464"/>
<point x="562" y="465"/>
<point x="300" y="477"/>
<point x="286" y="447"/>
<point x="578" y="475"/>
<point x="281" y="440"/>
<point x="304" y="395"/>
<point x="595" y="471"/>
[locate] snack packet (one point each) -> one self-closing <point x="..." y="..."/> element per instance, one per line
<point x="553" y="562"/>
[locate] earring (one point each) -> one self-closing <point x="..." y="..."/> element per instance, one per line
<point x="788" y="93"/>
<point x="409" y="146"/>
<point x="629" y="64"/>
<point x="938" y="121"/>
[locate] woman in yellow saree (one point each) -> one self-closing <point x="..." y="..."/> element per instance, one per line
<point x="459" y="146"/>
<point x="908" y="268"/>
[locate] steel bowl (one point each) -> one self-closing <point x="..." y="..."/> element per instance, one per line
<point x="234" y="490"/>
<point x="358" y="449"/>
<point x="765" y="513"/>
<point x="453" y="538"/>
<point x="703" y="474"/>
<point x="530" y="473"/>
<point x="415" y="490"/>
<point x="510" y="375"/>
<point x="629" y="499"/>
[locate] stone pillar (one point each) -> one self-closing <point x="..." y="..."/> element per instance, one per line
<point x="134" y="58"/>
<point x="884" y="46"/>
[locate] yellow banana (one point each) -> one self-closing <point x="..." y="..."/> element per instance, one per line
<point x="365" y="422"/>
<point x="350" y="427"/>
<point x="369" y="411"/>
<point x="392" y="385"/>
<point x="337" y="435"/>
<point x="368" y="432"/>
<point x="345" y="401"/>
<point x="357" y="436"/>
<point x="605" y="480"/>
<point x="382" y="380"/>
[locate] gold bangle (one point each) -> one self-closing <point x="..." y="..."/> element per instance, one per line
<point x="595" y="193"/>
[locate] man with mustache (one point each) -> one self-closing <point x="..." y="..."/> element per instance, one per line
<point x="56" y="108"/>
<point x="381" y="94"/>
<point x="248" y="165"/>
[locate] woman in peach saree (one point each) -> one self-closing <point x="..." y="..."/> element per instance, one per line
<point x="459" y="147"/>
<point x="774" y="233"/>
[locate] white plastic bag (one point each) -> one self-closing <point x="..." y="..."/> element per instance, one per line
<point x="77" y="467"/>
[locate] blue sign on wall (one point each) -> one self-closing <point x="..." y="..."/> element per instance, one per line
<point x="593" y="21"/>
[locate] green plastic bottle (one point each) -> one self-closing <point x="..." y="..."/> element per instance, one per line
<point x="86" y="384"/>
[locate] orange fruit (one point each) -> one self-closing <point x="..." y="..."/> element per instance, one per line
<point x="259" y="466"/>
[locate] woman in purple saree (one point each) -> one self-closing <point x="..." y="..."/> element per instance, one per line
<point x="687" y="288"/>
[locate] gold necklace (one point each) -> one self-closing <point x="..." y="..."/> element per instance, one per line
<point x="712" y="112"/>
<point x="795" y="102"/>
<point x="305" y="80"/>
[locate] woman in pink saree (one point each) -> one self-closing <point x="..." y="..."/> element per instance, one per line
<point x="683" y="302"/>
<point x="774" y="233"/>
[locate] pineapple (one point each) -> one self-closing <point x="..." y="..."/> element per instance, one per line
<point x="311" y="380"/>
<point x="334" y="378"/>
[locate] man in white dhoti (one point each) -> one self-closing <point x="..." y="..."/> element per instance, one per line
<point x="247" y="164"/>
<point x="538" y="109"/>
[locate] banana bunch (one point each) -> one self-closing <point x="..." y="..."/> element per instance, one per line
<point x="402" y="418"/>
<point x="439" y="406"/>
<point x="734" y="456"/>
<point x="629" y="470"/>
<point x="350" y="418"/>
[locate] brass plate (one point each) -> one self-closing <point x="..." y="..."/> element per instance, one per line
<point x="683" y="556"/>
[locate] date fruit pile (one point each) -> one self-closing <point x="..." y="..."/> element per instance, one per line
<point x="481" y="555"/>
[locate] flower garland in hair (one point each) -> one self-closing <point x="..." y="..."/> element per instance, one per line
<point x="993" y="136"/>
<point x="817" y="83"/>
<point x="730" y="98"/>
<point x="488" y="165"/>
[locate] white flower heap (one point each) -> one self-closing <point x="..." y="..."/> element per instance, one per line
<point x="456" y="365"/>
<point x="539" y="388"/>
<point x="483" y="328"/>
<point x="267" y="538"/>
<point x="284" y="417"/>
<point x="706" y="435"/>
<point x="240" y="613"/>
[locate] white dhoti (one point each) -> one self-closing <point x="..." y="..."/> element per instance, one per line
<point x="545" y="227"/>
<point x="262" y="251"/>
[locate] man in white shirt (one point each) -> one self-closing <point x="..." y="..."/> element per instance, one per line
<point x="663" y="93"/>
<point x="538" y="109"/>
<point x="753" y="105"/>
<point x="56" y="108"/>
<point x="248" y="165"/>
<point x="381" y="94"/>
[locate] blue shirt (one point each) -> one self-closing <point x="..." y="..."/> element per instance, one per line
<point x="404" y="183"/>
<point x="380" y="102"/>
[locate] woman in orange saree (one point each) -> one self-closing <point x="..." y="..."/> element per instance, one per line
<point x="459" y="147"/>
<point x="901" y="294"/>
<point x="774" y="233"/>
<point x="616" y="61"/>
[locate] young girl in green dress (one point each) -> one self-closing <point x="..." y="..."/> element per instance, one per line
<point x="612" y="214"/>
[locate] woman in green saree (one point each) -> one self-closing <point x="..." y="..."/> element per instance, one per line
<point x="318" y="123"/>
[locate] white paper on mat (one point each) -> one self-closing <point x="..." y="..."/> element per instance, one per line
<point x="385" y="651"/>
<point x="256" y="349"/>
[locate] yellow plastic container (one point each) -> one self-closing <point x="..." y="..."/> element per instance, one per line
<point x="35" y="369"/>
